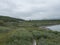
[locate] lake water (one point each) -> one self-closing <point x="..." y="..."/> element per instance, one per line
<point x="54" y="28"/>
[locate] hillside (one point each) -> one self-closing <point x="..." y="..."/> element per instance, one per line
<point x="10" y="19"/>
<point x="15" y="31"/>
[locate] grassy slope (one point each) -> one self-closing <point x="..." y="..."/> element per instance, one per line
<point x="26" y="26"/>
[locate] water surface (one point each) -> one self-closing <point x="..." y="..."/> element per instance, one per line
<point x="54" y="28"/>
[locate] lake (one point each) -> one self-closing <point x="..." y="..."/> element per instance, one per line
<point x="54" y="28"/>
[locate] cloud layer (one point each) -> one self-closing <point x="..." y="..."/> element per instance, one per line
<point x="30" y="9"/>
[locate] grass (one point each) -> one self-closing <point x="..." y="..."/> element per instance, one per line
<point x="14" y="36"/>
<point x="22" y="33"/>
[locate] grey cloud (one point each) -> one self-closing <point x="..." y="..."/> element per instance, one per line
<point x="30" y="9"/>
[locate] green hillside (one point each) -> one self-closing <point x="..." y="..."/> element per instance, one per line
<point x="15" y="31"/>
<point x="10" y="19"/>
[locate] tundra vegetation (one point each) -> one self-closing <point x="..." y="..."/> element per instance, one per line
<point x="15" y="31"/>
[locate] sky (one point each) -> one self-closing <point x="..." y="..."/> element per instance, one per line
<point x="31" y="9"/>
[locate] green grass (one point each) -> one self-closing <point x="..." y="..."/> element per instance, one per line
<point x="23" y="32"/>
<point x="23" y="36"/>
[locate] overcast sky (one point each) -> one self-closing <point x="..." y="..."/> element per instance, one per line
<point x="30" y="9"/>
